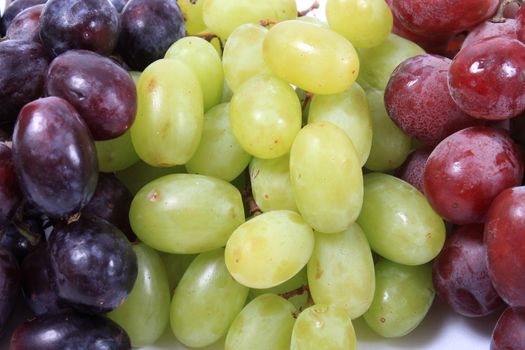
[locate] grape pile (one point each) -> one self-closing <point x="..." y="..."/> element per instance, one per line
<point x="238" y="173"/>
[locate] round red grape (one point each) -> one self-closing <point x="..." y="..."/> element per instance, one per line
<point x="509" y="333"/>
<point x="26" y="25"/>
<point x="490" y="29"/>
<point x="413" y="168"/>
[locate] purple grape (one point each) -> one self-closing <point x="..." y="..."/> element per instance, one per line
<point x="10" y="196"/>
<point x="12" y="239"/>
<point x="14" y="9"/>
<point x="26" y="25"/>
<point x="9" y="285"/>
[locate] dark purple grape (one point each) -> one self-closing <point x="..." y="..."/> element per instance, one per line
<point x="79" y="24"/>
<point x="119" y="4"/>
<point x="509" y="333"/>
<point x="26" y="25"/>
<point x="9" y="285"/>
<point x="101" y="91"/>
<point x="10" y="196"/>
<point x="14" y="9"/>
<point x="149" y="27"/>
<point x="94" y="264"/>
<point x="54" y="157"/>
<point x="28" y="223"/>
<point x="70" y="330"/>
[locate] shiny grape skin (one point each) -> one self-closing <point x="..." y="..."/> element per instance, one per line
<point x="148" y="28"/>
<point x="26" y="25"/>
<point x="10" y="195"/>
<point x="468" y="169"/>
<point x="413" y="168"/>
<point x="94" y="264"/>
<point x="14" y="9"/>
<point x="79" y="24"/>
<point x="54" y="156"/>
<point x="70" y="330"/>
<point x="490" y="29"/>
<point x="101" y="91"/>
<point x="509" y="333"/>
<point x="460" y="274"/>
<point x="9" y="285"/>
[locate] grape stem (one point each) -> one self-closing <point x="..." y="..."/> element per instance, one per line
<point x="312" y="7"/>
<point x="209" y="37"/>
<point x="499" y="17"/>
<point x="297" y="292"/>
<point x="307" y="99"/>
<point x="268" y="22"/>
<point x="247" y="196"/>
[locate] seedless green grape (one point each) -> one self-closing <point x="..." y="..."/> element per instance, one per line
<point x="192" y="12"/>
<point x="116" y="154"/>
<point x="140" y="173"/>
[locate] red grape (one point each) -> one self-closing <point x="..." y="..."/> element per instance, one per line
<point x="509" y="333"/>
<point x="14" y="9"/>
<point x="490" y="29"/>
<point x="26" y="25"/>
<point x="413" y="168"/>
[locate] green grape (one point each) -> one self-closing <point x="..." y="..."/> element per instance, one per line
<point x="266" y="323"/>
<point x="186" y="213"/>
<point x="402" y="298"/>
<point x="192" y="12"/>
<point x="243" y="55"/>
<point x="116" y="154"/>
<point x="265" y="115"/>
<point x="349" y="111"/>
<point x="326" y="327"/>
<point x="270" y="180"/>
<point x="219" y="154"/>
<point x="148" y="302"/>
<point x="140" y="173"/>
<point x="176" y="265"/>
<point x="224" y="16"/>
<point x="168" y="126"/>
<point x="364" y="23"/>
<point x="399" y="222"/>
<point x="202" y="58"/>
<point x="227" y="93"/>
<point x="206" y="301"/>
<point x="390" y="145"/>
<point x="313" y="20"/>
<point x="269" y="249"/>
<point x="326" y="177"/>
<point x="311" y="57"/>
<point x="294" y="290"/>
<point x="341" y="271"/>
<point x="378" y="63"/>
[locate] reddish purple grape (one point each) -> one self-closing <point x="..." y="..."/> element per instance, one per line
<point x="489" y="29"/>
<point x="413" y="168"/>
<point x="26" y="25"/>
<point x="14" y="9"/>
<point x="520" y="18"/>
<point x="509" y="333"/>
<point x="9" y="285"/>
<point x="10" y="195"/>
<point x="102" y="92"/>
<point x="468" y="169"/>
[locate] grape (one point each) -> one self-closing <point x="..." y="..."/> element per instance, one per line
<point x="206" y="301"/>
<point x="10" y="196"/>
<point x="363" y="23"/>
<point x="26" y="25"/>
<point x="168" y="125"/>
<point x="265" y="116"/>
<point x="218" y="154"/>
<point x="265" y="323"/>
<point x="139" y="174"/>
<point x="490" y="29"/>
<point x="192" y="13"/>
<point x="323" y="327"/>
<point x="54" y="157"/>
<point x="341" y="271"/>
<point x="349" y="111"/>
<point x="326" y="177"/>
<point x="176" y="265"/>
<point x="269" y="249"/>
<point x="9" y="285"/>
<point x="148" y="302"/>
<point x="295" y="290"/>
<point x="186" y="213"/>
<point x="116" y="154"/>
<point x="311" y="57"/>
<point x="467" y="170"/>
<point x="413" y="168"/>
<point x="508" y="333"/>
<point x="520" y="19"/>
<point x="13" y="10"/>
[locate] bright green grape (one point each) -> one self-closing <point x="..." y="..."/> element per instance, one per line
<point x="192" y="12"/>
<point x="402" y="299"/>
<point x="265" y="115"/>
<point x="202" y="58"/>
<point x="399" y="222"/>
<point x="341" y="271"/>
<point x="140" y="173"/>
<point x="186" y="213"/>
<point x="168" y="126"/>
<point x="326" y="177"/>
<point x="266" y="323"/>
<point x="294" y="290"/>
<point x="206" y="301"/>
<point x="390" y="145"/>
<point x="176" y="265"/>
<point x="271" y="188"/>
<point x="219" y="154"/>
<point x="349" y="111"/>
<point x="311" y="57"/>
<point x="116" y="154"/>
<point x="365" y="23"/>
<point x="269" y="249"/>
<point x="326" y="327"/>
<point x="145" y="313"/>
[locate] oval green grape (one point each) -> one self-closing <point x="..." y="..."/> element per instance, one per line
<point x="116" y="154"/>
<point x="176" y="265"/>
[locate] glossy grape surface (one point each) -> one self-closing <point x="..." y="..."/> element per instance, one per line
<point x="14" y="9"/>
<point x="509" y="332"/>
<point x="26" y="25"/>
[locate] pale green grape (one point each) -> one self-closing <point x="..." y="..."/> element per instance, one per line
<point x="206" y="301"/>
<point x="313" y="20"/>
<point x="202" y="58"/>
<point x="399" y="222"/>
<point x="402" y="298"/>
<point x="192" y="12"/>
<point x="326" y="177"/>
<point x="116" y="154"/>
<point x="266" y="323"/>
<point x="176" y="265"/>
<point x="265" y="115"/>
<point x="294" y="290"/>
<point x="168" y="126"/>
<point x="365" y="23"/>
<point x="269" y="249"/>
<point x="341" y="271"/>
<point x="148" y="302"/>
<point x="390" y="145"/>
<point x="219" y="154"/>
<point x="349" y="111"/>
<point x="311" y="57"/>
<point x="271" y="188"/>
<point x="326" y="327"/>
<point x="378" y="63"/>
<point x="140" y="173"/>
<point x="227" y="93"/>
<point x="186" y="213"/>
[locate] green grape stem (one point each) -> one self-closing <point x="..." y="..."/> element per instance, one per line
<point x="499" y="17"/>
<point x="312" y="7"/>
<point x="23" y="229"/>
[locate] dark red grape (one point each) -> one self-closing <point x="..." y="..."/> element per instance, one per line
<point x="102" y="92"/>
<point x="79" y="24"/>
<point x="54" y="156"/>
<point x="14" y="9"/>
<point x="509" y="333"/>
<point x="149" y="27"/>
<point x="414" y="166"/>
<point x="9" y="285"/>
<point x="490" y="29"/>
<point x="26" y="25"/>
<point x="520" y="18"/>
<point x="467" y="170"/>
<point x="10" y="195"/>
